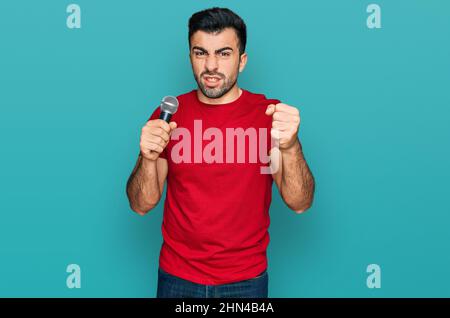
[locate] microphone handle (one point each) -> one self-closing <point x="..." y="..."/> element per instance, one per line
<point x="165" y="116"/>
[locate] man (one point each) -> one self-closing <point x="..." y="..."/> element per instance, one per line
<point x="216" y="211"/>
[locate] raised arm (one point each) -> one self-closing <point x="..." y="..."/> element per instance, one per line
<point x="292" y="175"/>
<point x="146" y="183"/>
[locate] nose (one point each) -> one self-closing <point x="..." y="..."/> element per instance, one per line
<point x="211" y="63"/>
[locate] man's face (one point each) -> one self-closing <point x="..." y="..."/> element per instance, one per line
<point x="216" y="61"/>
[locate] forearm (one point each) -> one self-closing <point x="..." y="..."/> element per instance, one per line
<point x="297" y="182"/>
<point x="142" y="188"/>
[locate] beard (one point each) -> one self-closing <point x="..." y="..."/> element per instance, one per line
<point x="216" y="92"/>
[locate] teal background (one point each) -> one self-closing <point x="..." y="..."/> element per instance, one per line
<point x="375" y="108"/>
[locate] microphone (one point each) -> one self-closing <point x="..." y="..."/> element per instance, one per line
<point x="169" y="106"/>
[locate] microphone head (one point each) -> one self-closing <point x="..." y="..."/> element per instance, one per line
<point x="169" y="104"/>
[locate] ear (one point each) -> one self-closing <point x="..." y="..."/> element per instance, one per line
<point x="243" y="62"/>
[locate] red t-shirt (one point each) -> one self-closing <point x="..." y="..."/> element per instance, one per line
<point x="216" y="211"/>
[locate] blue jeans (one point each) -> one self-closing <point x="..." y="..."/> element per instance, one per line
<point x="170" y="286"/>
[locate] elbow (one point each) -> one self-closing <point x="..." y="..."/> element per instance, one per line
<point x="307" y="201"/>
<point x="142" y="207"/>
<point x="141" y="210"/>
<point x="300" y="208"/>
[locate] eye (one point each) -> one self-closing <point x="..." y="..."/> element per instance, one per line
<point x="199" y="53"/>
<point x="225" y="53"/>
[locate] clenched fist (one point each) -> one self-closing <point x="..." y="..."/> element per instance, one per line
<point x="155" y="136"/>
<point x="286" y="119"/>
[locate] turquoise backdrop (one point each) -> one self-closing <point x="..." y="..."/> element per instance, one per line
<point x="375" y="108"/>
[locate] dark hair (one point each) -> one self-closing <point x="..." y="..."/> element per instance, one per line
<point x="215" y="20"/>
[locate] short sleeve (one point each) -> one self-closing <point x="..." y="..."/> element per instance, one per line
<point x="155" y="115"/>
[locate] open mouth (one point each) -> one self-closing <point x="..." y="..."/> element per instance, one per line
<point x="212" y="81"/>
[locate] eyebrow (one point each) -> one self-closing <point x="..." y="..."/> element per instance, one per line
<point x="217" y="51"/>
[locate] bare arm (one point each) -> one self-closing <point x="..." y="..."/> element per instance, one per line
<point x="294" y="179"/>
<point x="146" y="184"/>
<point x="290" y="171"/>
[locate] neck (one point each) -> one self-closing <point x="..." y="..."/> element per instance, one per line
<point x="229" y="97"/>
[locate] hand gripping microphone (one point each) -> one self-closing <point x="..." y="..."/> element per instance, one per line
<point x="169" y="106"/>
